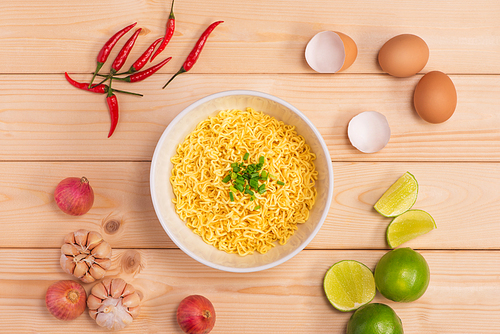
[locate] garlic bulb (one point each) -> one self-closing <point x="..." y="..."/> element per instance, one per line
<point x="85" y="255"/>
<point x="113" y="303"/>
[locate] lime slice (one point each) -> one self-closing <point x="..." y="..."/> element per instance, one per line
<point x="408" y="226"/>
<point x="399" y="198"/>
<point x="349" y="285"/>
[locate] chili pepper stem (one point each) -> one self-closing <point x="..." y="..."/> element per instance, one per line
<point x="110" y="91"/>
<point x="171" y="16"/>
<point x="100" y="83"/>
<point x="182" y="70"/>
<point x="114" y="75"/>
<point x="125" y="92"/>
<point x="98" y="68"/>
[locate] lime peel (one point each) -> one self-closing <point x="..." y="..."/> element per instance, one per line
<point x="399" y="198"/>
<point x="348" y="285"/>
<point x="408" y="226"/>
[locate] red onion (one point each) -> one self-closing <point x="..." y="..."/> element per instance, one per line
<point x="196" y="315"/>
<point x="66" y="300"/>
<point x="74" y="196"/>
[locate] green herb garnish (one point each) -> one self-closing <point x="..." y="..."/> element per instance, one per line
<point x="257" y="208"/>
<point x="280" y="183"/>
<point x="247" y="178"/>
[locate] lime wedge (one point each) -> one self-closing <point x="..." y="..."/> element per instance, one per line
<point x="399" y="198"/>
<point x="349" y="285"/>
<point x="408" y="226"/>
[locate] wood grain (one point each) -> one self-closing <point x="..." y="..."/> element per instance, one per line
<point x="462" y="197"/>
<point x="45" y="118"/>
<point x="293" y="303"/>
<point x="256" y="37"/>
<point x="50" y="130"/>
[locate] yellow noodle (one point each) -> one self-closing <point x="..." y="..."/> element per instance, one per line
<point x="202" y="199"/>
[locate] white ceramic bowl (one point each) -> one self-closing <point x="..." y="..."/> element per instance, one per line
<point x="162" y="193"/>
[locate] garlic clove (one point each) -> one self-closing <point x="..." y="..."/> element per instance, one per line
<point x="97" y="272"/>
<point x="117" y="287"/>
<point x="69" y="249"/>
<point x="89" y="259"/>
<point x="69" y="238"/>
<point x="132" y="300"/>
<point x="80" y="269"/>
<point x="103" y="263"/>
<point x="93" y="240"/>
<point x="93" y="302"/>
<point x="67" y="264"/>
<point x="129" y="289"/>
<point x="103" y="250"/>
<point x="81" y="238"/>
<point x="87" y="278"/>
<point x="107" y="285"/>
<point x="93" y="314"/>
<point x="99" y="290"/>
<point x="134" y="311"/>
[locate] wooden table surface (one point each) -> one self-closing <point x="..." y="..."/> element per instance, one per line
<point x="50" y="130"/>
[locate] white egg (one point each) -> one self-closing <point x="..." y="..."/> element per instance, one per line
<point x="369" y="131"/>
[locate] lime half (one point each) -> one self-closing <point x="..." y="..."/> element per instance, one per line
<point x="408" y="226"/>
<point x="349" y="285"/>
<point x="399" y="198"/>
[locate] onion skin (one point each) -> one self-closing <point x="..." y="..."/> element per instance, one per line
<point x="66" y="300"/>
<point x="74" y="196"/>
<point x="196" y="315"/>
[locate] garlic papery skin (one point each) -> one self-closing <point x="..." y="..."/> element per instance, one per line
<point x="113" y="315"/>
<point x="85" y="255"/>
<point x="113" y="303"/>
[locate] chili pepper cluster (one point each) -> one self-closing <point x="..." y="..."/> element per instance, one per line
<point x="134" y="73"/>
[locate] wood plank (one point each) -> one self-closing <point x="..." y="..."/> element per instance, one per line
<point x="463" y="295"/>
<point x="257" y="36"/>
<point x="44" y="118"/>
<point x="462" y="197"/>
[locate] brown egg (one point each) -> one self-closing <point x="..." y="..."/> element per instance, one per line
<point x="403" y="55"/>
<point x="435" y="97"/>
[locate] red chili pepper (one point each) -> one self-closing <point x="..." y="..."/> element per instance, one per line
<point x="139" y="76"/>
<point x="102" y="89"/>
<point x="195" y="53"/>
<point x="124" y="52"/>
<point x="113" y="111"/>
<point x="168" y="34"/>
<point x="143" y="59"/>
<point x="106" y="49"/>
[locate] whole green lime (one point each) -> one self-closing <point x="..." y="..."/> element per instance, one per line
<point x="402" y="275"/>
<point x="374" y="319"/>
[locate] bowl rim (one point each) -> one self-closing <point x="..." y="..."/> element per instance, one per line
<point x="201" y="101"/>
